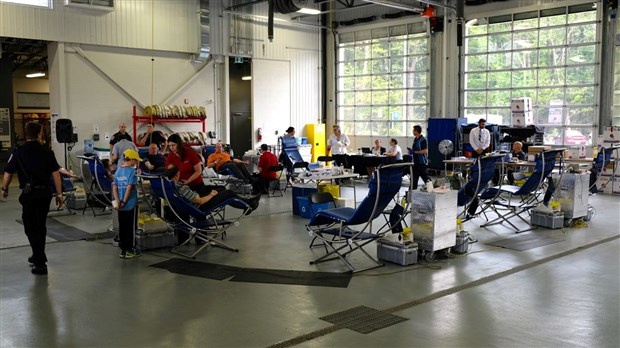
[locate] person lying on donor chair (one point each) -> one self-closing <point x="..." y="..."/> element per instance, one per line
<point x="205" y="203"/>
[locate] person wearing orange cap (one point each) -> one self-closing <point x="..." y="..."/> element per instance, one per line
<point x="126" y="202"/>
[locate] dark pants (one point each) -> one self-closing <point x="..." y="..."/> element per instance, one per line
<point x="127" y="221"/>
<point x="219" y="198"/>
<point x="239" y="170"/>
<point x="35" y="206"/>
<point x="419" y="170"/>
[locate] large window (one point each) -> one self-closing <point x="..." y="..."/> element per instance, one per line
<point x="38" y="3"/>
<point x="551" y="56"/>
<point x="382" y="80"/>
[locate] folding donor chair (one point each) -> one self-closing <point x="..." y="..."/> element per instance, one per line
<point x="292" y="159"/>
<point x="600" y="162"/>
<point x="481" y="172"/>
<point x="511" y="201"/>
<point x="333" y="226"/>
<point x="204" y="226"/>
<point x="320" y="198"/>
<point x="97" y="185"/>
<point x="274" y="184"/>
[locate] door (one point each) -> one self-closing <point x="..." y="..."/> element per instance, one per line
<point x="240" y="133"/>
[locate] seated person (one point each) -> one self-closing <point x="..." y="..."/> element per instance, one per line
<point x="154" y="162"/>
<point x="152" y="137"/>
<point x="395" y="151"/>
<point x="518" y="154"/>
<point x="266" y="161"/>
<point x="220" y="160"/>
<point x="378" y="149"/>
<point x="109" y="168"/>
<point x="207" y="202"/>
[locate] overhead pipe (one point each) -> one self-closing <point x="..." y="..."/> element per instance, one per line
<point x="394" y="4"/>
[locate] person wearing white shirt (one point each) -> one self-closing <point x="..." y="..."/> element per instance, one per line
<point x="480" y="139"/>
<point x="394" y="150"/>
<point x="337" y="144"/>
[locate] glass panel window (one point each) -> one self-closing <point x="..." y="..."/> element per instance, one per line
<point x="383" y="80"/>
<point x="38" y="3"/>
<point x="552" y="57"/>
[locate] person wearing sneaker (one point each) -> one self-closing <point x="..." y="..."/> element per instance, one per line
<point x="126" y="202"/>
<point x="207" y="202"/>
<point x="34" y="165"/>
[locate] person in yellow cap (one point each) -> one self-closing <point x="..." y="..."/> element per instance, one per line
<point x="126" y="202"/>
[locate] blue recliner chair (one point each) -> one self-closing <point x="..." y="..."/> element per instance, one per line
<point x="204" y="226"/>
<point x="333" y="227"/>
<point x="481" y="172"/>
<point x="292" y="158"/>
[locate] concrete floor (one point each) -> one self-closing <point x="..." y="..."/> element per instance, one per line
<point x="563" y="294"/>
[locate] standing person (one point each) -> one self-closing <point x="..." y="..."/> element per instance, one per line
<point x="395" y="150"/>
<point x="119" y="148"/>
<point x="266" y="161"/>
<point x="221" y="160"/>
<point x="420" y="157"/>
<point x="188" y="162"/>
<point x="480" y="139"/>
<point x="152" y="137"/>
<point x="121" y="134"/>
<point x="34" y="165"/>
<point x="126" y="202"/>
<point x="289" y="133"/>
<point x="337" y="144"/>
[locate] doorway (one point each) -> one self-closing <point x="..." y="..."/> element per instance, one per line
<point x="239" y="73"/>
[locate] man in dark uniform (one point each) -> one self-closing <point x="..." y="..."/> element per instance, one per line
<point x="34" y="165"/>
<point x="420" y="157"/>
<point x="118" y="136"/>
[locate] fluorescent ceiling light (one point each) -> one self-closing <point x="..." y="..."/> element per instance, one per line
<point x="39" y="74"/>
<point x="309" y="11"/>
<point x="246" y="78"/>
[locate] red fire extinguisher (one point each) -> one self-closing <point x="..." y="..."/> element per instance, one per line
<point x="260" y="135"/>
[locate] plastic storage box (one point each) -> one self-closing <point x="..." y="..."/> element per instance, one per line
<point x="403" y="253"/>
<point x="148" y="241"/>
<point x="306" y="211"/>
<point x="548" y="220"/>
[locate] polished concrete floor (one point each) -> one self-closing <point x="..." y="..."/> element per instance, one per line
<point x="563" y="294"/>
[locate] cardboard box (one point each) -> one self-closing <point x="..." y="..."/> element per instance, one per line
<point x="345" y="202"/>
<point x="522" y="119"/>
<point x="611" y="134"/>
<point x="521" y="104"/>
<point x="578" y="151"/>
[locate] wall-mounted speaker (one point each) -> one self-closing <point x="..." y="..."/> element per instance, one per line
<point x="64" y="130"/>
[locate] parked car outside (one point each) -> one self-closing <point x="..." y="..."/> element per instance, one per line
<point x="572" y="137"/>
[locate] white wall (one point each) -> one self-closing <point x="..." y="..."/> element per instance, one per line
<point x="161" y="25"/>
<point x="271" y="99"/>
<point x="101" y="85"/>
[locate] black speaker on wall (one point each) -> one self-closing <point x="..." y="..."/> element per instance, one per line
<point x="64" y="130"/>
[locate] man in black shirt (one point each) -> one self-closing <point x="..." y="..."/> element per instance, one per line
<point x="152" y="137"/>
<point x="154" y="161"/>
<point x="118" y="136"/>
<point x="34" y="165"/>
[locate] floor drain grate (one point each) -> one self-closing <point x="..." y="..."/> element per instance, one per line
<point x="363" y="319"/>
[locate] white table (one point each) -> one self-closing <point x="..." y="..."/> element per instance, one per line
<point x="317" y="177"/>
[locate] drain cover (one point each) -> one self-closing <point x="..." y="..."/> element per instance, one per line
<point x="363" y="319"/>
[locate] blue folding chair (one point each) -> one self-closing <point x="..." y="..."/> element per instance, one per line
<point x="204" y="226"/>
<point x="333" y="226"/>
<point x="511" y="201"/>
<point x="292" y="159"/>
<point x="481" y="172"/>
<point x="600" y="162"/>
<point x="97" y="185"/>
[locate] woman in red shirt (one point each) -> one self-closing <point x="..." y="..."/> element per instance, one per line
<point x="189" y="164"/>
